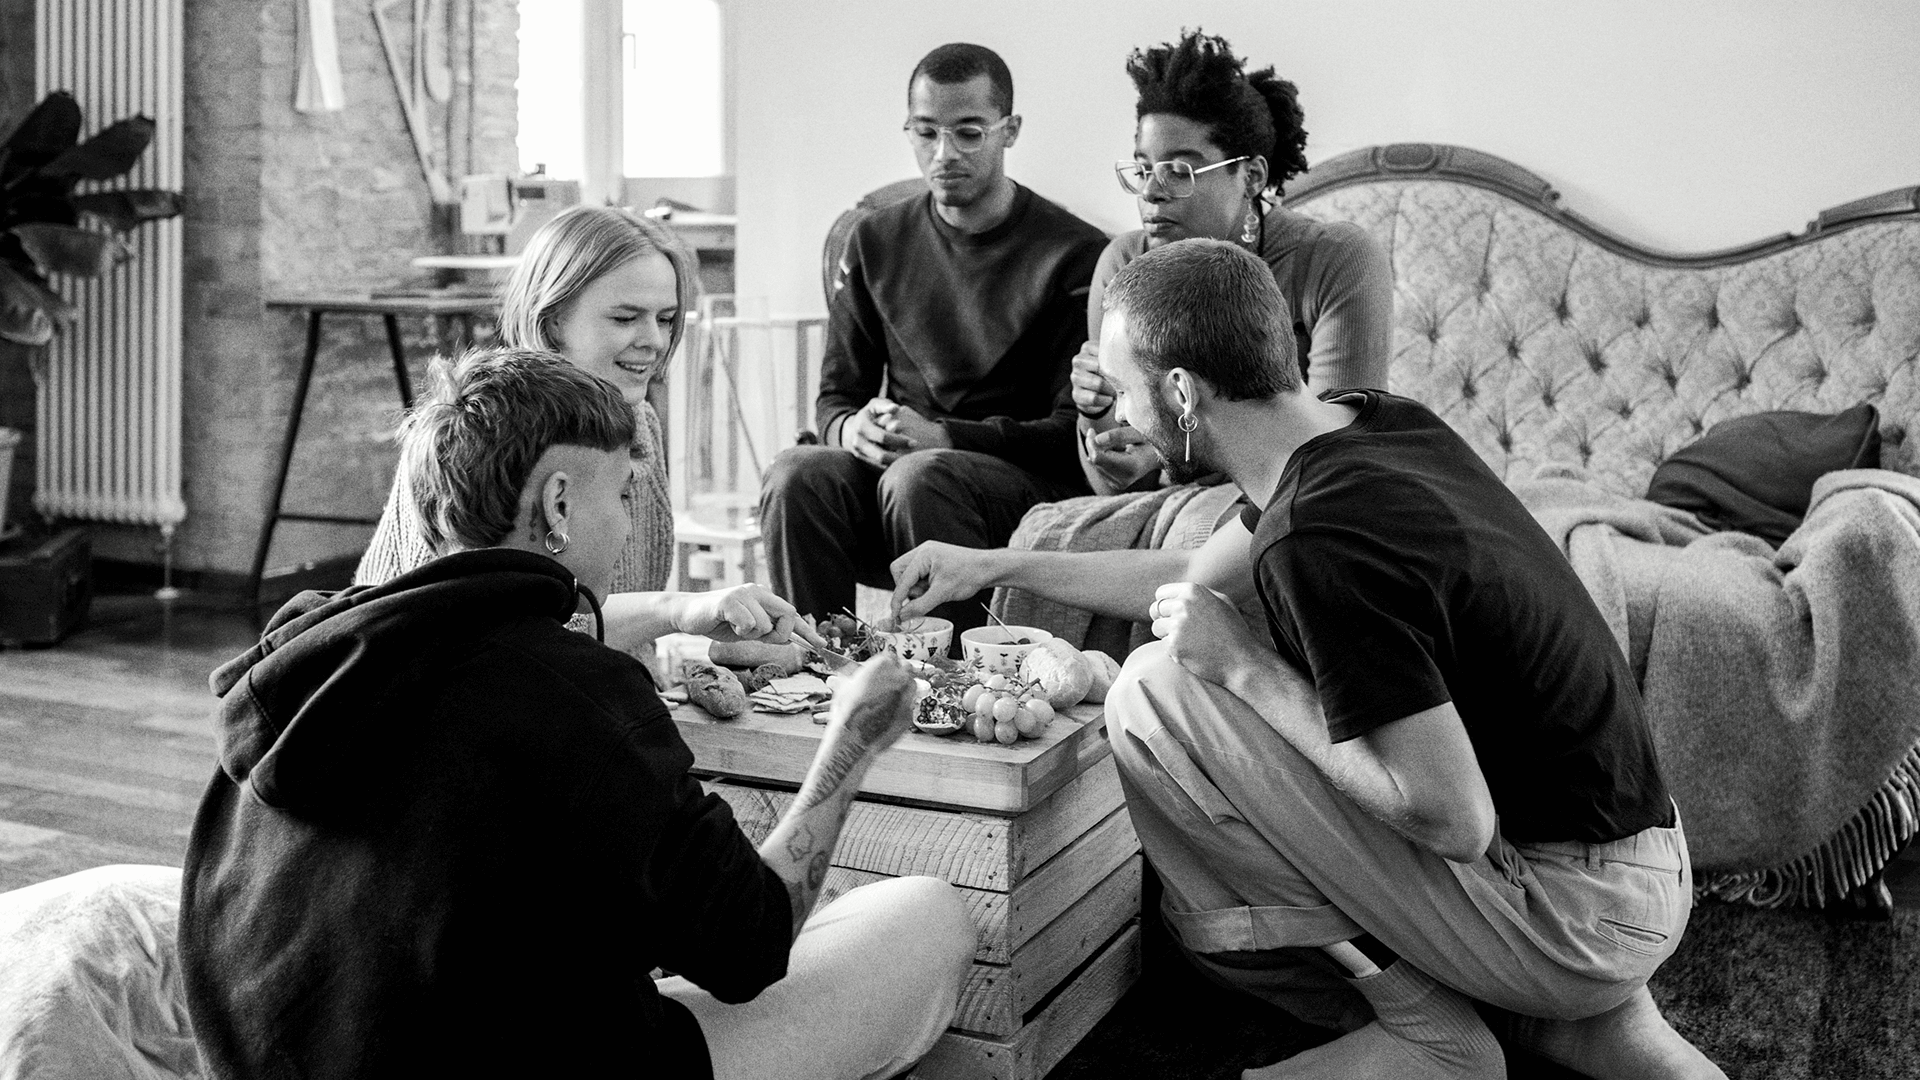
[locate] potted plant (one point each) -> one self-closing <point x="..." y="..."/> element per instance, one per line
<point x="49" y="227"/>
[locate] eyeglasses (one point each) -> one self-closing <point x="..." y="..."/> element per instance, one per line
<point x="1174" y="177"/>
<point x="966" y="138"/>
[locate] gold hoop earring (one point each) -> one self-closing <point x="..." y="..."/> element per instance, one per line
<point x="556" y="541"/>
<point x="1187" y="423"/>
<point x="1250" y="228"/>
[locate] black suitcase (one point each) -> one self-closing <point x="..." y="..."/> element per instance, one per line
<point x="46" y="585"/>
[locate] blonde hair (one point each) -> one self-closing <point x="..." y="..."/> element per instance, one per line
<point x="468" y="449"/>
<point x="571" y="252"/>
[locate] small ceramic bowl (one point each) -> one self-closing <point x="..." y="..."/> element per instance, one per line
<point x="1001" y="648"/>
<point x="921" y="639"/>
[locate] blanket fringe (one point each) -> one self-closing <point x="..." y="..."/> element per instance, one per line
<point x="1844" y="861"/>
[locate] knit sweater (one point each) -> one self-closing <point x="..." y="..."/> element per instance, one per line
<point x="975" y="331"/>
<point x="398" y="545"/>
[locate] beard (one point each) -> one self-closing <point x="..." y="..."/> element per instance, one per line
<point x="1171" y="443"/>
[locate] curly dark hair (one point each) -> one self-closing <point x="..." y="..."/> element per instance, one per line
<point x="1201" y="79"/>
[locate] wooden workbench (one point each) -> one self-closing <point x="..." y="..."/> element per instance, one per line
<point x="1035" y="835"/>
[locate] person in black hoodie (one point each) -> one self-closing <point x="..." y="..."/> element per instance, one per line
<point x="449" y="836"/>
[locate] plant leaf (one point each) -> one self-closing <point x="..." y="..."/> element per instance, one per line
<point x="127" y="210"/>
<point x="29" y="310"/>
<point x="51" y="129"/>
<point x="112" y="151"/>
<point x="31" y="204"/>
<point x="63" y="249"/>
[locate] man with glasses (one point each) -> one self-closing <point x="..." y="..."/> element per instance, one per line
<point x="944" y="407"/>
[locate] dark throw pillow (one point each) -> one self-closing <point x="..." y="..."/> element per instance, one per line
<point x="1755" y="474"/>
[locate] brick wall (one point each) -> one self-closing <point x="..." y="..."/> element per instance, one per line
<point x="284" y="202"/>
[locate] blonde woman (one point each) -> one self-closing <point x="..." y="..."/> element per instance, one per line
<point x="609" y="291"/>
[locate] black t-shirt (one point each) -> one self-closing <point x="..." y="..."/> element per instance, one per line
<point x="1399" y="573"/>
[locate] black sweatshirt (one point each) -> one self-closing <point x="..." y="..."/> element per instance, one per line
<point x="975" y="330"/>
<point x="450" y="837"/>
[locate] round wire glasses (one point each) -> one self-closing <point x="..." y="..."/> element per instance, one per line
<point x="1176" y="178"/>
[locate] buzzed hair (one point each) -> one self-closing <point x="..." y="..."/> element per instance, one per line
<point x="958" y="62"/>
<point x="1212" y="308"/>
<point x="468" y="449"/>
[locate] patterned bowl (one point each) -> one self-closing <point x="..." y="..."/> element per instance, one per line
<point x="919" y="639"/>
<point x="999" y="647"/>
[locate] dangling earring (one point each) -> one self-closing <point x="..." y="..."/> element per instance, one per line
<point x="1250" y="228"/>
<point x="556" y="541"/>
<point x="1187" y="423"/>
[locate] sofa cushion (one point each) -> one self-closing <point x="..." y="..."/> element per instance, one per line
<point x="1755" y="474"/>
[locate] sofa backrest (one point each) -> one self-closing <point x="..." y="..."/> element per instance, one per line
<point x="1541" y="337"/>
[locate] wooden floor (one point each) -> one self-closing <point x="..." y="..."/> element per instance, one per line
<point x="106" y="741"/>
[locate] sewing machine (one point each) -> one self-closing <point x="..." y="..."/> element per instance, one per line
<point x="512" y="207"/>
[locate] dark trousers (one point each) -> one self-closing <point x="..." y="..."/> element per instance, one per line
<point x="831" y="519"/>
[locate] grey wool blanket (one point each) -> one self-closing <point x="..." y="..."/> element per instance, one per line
<point x="1170" y="517"/>
<point x="1782" y="687"/>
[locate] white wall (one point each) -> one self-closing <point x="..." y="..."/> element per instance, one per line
<point x="1690" y="125"/>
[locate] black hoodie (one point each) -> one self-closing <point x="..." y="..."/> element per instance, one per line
<point x="449" y="836"/>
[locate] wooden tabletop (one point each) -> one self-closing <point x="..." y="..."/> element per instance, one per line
<point x="947" y="770"/>
<point x="366" y="303"/>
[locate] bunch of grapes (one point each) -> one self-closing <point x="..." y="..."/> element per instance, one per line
<point x="1005" y="709"/>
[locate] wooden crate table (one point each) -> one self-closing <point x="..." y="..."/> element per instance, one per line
<point x="1035" y="835"/>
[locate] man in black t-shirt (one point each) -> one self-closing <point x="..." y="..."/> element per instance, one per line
<point x="944" y="409"/>
<point x="1437" y="773"/>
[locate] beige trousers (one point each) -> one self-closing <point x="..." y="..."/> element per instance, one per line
<point x="1263" y="860"/>
<point x="873" y="979"/>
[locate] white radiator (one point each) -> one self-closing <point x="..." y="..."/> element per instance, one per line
<point x="109" y="412"/>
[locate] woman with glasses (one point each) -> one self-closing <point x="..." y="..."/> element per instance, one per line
<point x="1213" y="149"/>
<point x="609" y="291"/>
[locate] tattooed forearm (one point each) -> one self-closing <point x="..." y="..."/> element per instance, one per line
<point x="800" y="843"/>
<point x="829" y="778"/>
<point x="800" y="848"/>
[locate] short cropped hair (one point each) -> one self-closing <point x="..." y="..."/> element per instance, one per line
<point x="468" y="449"/>
<point x="1199" y="78"/>
<point x="958" y="62"/>
<point x="571" y="252"/>
<point x="1213" y="308"/>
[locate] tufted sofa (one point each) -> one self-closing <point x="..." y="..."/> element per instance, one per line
<point x="1541" y="337"/>
<point x="1555" y="347"/>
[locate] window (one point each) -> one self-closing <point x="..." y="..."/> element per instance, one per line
<point x="671" y="105"/>
<point x="644" y="76"/>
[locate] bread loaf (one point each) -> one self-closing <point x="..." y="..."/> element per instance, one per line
<point x="716" y="690"/>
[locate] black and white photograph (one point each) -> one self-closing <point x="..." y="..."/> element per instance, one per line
<point x="1009" y="540"/>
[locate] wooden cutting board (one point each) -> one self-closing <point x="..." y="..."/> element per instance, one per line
<point x="945" y="770"/>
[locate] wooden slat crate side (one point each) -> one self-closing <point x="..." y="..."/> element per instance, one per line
<point x="1049" y="774"/>
<point x="965" y="849"/>
<point x="988" y="909"/>
<point x="1047" y="958"/>
<point x="1063" y="817"/>
<point x="997" y="998"/>
<point x="1050" y="891"/>
<point x="1055" y="1031"/>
